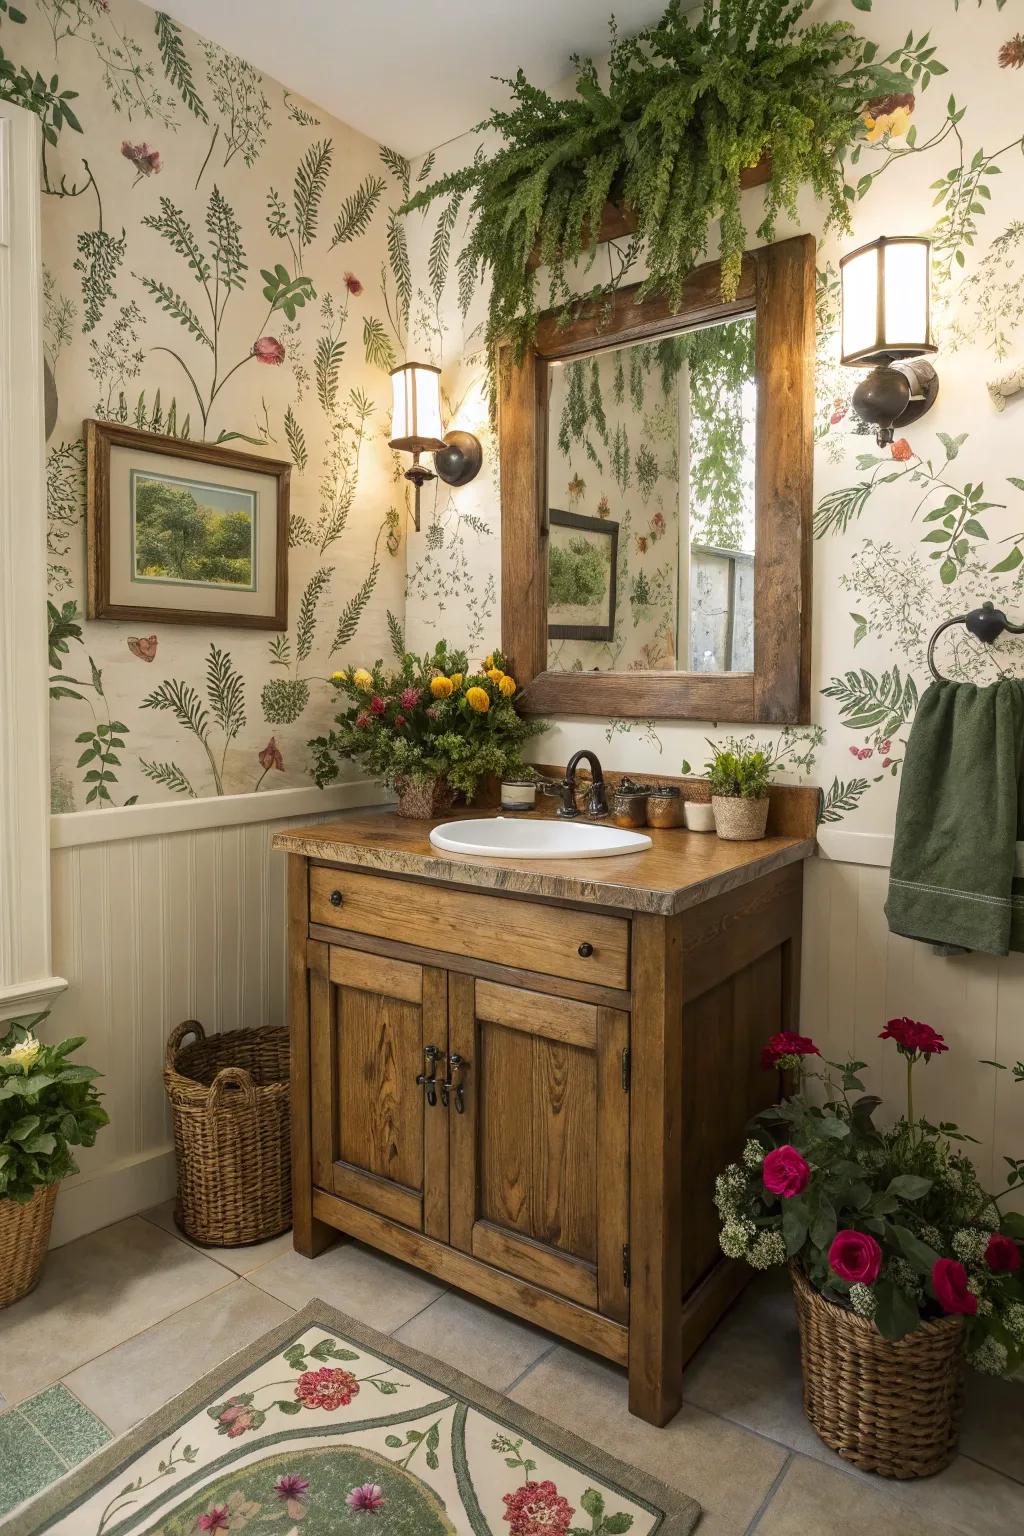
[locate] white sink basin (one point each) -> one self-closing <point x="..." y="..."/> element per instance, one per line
<point x="494" y="836"/>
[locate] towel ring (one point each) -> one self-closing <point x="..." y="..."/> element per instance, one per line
<point x="986" y="623"/>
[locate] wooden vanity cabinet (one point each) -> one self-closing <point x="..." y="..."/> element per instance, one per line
<point x="464" y="1100"/>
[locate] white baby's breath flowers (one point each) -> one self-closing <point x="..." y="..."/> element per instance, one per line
<point x="1014" y="1320"/>
<point x="735" y="1238"/>
<point x="862" y="1300"/>
<point x="753" y="1154"/>
<point x="729" y="1186"/>
<point x="969" y="1245"/>
<point x="904" y="1275"/>
<point x="932" y="1236"/>
<point x="990" y="1357"/>
<point x="22" y="1055"/>
<point x="767" y="1249"/>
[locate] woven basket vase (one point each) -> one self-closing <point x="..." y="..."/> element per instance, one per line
<point x="230" y="1107"/>
<point x="739" y="820"/>
<point x="24" y="1237"/>
<point x="887" y="1407"/>
<point x="424" y="800"/>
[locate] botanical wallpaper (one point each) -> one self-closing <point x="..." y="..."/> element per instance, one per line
<point x="222" y="262"/>
<point x="904" y="537"/>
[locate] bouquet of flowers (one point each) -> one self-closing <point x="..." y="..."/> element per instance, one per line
<point x="431" y="720"/>
<point x="892" y="1223"/>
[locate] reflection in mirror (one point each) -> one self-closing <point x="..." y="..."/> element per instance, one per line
<point x="650" y="491"/>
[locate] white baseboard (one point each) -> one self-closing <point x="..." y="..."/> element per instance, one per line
<point x="88" y="1202"/>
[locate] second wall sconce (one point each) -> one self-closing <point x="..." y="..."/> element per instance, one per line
<point x="886" y="319"/>
<point x="416" y="428"/>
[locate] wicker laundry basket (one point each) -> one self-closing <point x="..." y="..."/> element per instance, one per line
<point x="887" y="1407"/>
<point x="230" y="1106"/>
<point x="24" y="1237"/>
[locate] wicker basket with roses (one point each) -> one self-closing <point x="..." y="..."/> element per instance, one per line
<point x="902" y="1264"/>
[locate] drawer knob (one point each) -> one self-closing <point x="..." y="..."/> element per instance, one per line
<point x="585" y="951"/>
<point x="336" y="898"/>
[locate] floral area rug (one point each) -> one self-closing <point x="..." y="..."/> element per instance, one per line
<point x="326" y="1428"/>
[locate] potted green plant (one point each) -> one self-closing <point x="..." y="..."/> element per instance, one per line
<point x="739" y="773"/>
<point x="902" y="1265"/>
<point x="48" y="1105"/>
<point x="431" y="728"/>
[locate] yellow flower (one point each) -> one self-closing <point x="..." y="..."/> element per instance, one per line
<point x="362" y="680"/>
<point x="894" y="123"/>
<point x="339" y="677"/>
<point x="477" y="699"/>
<point x="488" y="663"/>
<point x="24" y="1054"/>
<point x="508" y="686"/>
<point x="441" y="687"/>
<point x="456" y="679"/>
<point x="495" y="675"/>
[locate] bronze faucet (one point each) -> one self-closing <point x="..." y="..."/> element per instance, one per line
<point x="598" y="806"/>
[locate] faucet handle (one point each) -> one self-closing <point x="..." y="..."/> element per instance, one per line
<point x="597" y="800"/>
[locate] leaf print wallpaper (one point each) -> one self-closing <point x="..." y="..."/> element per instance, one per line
<point x="903" y="537"/>
<point x="222" y="262"/>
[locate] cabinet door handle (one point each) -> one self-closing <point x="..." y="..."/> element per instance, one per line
<point x="336" y="898"/>
<point x="585" y="951"/>
<point x="461" y="1066"/>
<point x="427" y="1079"/>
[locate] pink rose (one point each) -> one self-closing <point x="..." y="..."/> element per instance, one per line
<point x="785" y="1172"/>
<point x="949" y="1282"/>
<point x="377" y="705"/>
<point x="268" y="350"/>
<point x="856" y="1257"/>
<point x="1002" y="1254"/>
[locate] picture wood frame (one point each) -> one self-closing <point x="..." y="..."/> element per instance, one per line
<point x="122" y="465"/>
<point x="608" y="529"/>
<point x="777" y="287"/>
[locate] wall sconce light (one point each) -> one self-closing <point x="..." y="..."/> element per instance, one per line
<point x="416" y="428"/>
<point x="886" y="297"/>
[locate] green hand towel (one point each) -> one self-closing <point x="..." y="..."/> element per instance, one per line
<point x="959" y="818"/>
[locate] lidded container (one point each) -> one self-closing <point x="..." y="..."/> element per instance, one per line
<point x="665" y="806"/>
<point x="628" y="804"/>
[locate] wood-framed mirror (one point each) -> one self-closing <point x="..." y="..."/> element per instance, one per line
<point x="656" y="500"/>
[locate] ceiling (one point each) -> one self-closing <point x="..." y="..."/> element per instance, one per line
<point x="410" y="73"/>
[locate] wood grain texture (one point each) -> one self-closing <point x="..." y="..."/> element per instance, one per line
<point x="517" y="1008"/>
<point x="680" y="870"/>
<point x="731" y="931"/>
<point x="384" y="1196"/>
<point x="309" y="1235"/>
<point x="521" y="934"/>
<point x="613" y="1102"/>
<point x="523" y="423"/>
<point x="374" y="973"/>
<point x="379" y="1105"/>
<point x="532" y="1261"/>
<point x="436" y="1151"/>
<point x="534" y="1305"/>
<point x="463" y="1129"/>
<point x="323" y="1042"/>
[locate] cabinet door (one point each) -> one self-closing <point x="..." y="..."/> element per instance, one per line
<point x="540" y="1150"/>
<point x="377" y="1139"/>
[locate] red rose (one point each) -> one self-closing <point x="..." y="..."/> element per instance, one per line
<point x="949" y="1282"/>
<point x="788" y="1043"/>
<point x="785" y="1172"/>
<point x="902" y="450"/>
<point x="856" y="1257"/>
<point x="913" y="1039"/>
<point x="1002" y="1254"/>
<point x="537" y="1509"/>
<point x="377" y="705"/>
<point x="327" y="1388"/>
<point x="268" y="350"/>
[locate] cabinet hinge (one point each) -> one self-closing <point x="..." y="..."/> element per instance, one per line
<point x="627" y="1273"/>
<point x="625" y="1069"/>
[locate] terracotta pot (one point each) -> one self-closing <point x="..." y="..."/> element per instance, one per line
<point x="738" y="820"/>
<point x="424" y="800"/>
<point x="24" y="1238"/>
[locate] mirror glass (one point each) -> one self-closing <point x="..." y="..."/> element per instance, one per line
<point x="650" y="491"/>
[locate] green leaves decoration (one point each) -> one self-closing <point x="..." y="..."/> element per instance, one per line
<point x="46" y="1110"/>
<point x="176" y="65"/>
<point x="377" y="344"/>
<point x="296" y="440"/>
<point x="357" y="210"/>
<point x="177" y="307"/>
<point x="867" y="702"/>
<point x="284" y="292"/>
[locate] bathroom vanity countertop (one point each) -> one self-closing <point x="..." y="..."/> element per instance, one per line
<point x="680" y="870"/>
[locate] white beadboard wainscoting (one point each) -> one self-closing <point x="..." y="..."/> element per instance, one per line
<point x="162" y="913"/>
<point x="856" y="975"/>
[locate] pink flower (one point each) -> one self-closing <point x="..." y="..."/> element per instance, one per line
<point x="399" y="721"/>
<point x="432" y="712"/>
<point x="837" y="416"/>
<point x="352" y="283"/>
<point x="886" y="762"/>
<point x="271" y="757"/>
<point x="291" y="1489"/>
<point x="913" y="1039"/>
<point x="327" y="1388"/>
<point x="215" y="1519"/>
<point x="377" y="705"/>
<point x="901" y="450"/>
<point x="866" y="752"/>
<point x="786" y="1044"/>
<point x="362" y="720"/>
<point x="268" y="350"/>
<point x="855" y="751"/>
<point x="1002" y="1254"/>
<point x="537" y="1509"/>
<point x="785" y="1172"/>
<point x="235" y="1418"/>
<point x="856" y="1257"/>
<point x="949" y="1282"/>
<point x="409" y="698"/>
<point x="369" y="1497"/>
<point x="145" y="160"/>
<point x="883" y="746"/>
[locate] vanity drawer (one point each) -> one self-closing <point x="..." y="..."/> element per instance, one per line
<point x="557" y="941"/>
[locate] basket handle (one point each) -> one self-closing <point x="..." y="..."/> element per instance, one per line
<point x="232" y="1077"/>
<point x="177" y="1035"/>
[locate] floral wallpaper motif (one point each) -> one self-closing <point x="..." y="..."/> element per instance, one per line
<point x="903" y="537"/>
<point x="222" y="262"/>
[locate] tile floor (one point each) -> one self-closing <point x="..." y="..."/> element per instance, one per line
<point x="127" y="1317"/>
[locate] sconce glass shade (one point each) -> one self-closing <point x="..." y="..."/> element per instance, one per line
<point x="416" y="409"/>
<point x="886" y="292"/>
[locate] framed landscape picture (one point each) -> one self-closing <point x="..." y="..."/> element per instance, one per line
<point x="582" y="563"/>
<point x="184" y="533"/>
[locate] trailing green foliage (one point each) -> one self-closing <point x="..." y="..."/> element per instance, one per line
<point x="176" y="65"/>
<point x="48" y="1105"/>
<point x="687" y="108"/>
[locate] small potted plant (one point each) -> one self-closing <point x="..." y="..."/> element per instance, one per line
<point x="48" y="1104"/>
<point x="903" y="1266"/>
<point x="431" y="728"/>
<point x="739" y="773"/>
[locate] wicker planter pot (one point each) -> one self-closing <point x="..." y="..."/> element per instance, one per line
<point x="738" y="820"/>
<point x="24" y="1237"/>
<point x="232" y="1129"/>
<point x="890" y="1408"/>
<point x="424" y="800"/>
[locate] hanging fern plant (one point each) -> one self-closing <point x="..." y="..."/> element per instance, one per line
<point x="688" y="107"/>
